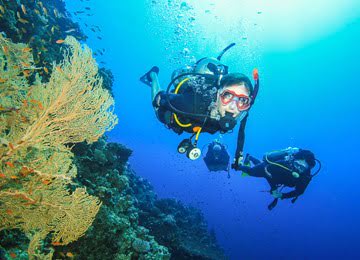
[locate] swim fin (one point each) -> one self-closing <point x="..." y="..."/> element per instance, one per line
<point x="146" y="79"/>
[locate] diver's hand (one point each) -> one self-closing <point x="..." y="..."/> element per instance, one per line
<point x="276" y="194"/>
<point x="238" y="161"/>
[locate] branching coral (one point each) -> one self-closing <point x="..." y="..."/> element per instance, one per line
<point x="36" y="123"/>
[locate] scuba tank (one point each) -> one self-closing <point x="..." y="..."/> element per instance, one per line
<point x="280" y="154"/>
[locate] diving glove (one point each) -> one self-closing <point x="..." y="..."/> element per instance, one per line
<point x="276" y="194"/>
<point x="238" y="161"/>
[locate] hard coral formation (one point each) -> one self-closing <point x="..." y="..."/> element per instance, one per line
<point x="132" y="221"/>
<point x="36" y="124"/>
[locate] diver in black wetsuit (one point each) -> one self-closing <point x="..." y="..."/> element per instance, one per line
<point x="290" y="167"/>
<point x="205" y="98"/>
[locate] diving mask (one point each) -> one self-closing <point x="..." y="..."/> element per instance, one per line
<point x="242" y="101"/>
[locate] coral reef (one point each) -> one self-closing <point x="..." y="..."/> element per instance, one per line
<point x="36" y="123"/>
<point x="132" y="220"/>
<point x="51" y="182"/>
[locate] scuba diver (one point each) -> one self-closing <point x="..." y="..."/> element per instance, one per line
<point x="203" y="98"/>
<point x="290" y="167"/>
<point x="217" y="157"/>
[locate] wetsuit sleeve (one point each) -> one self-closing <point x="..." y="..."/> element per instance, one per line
<point x="299" y="189"/>
<point x="241" y="138"/>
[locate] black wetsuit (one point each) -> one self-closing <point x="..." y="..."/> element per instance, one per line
<point x="279" y="176"/>
<point x="191" y="99"/>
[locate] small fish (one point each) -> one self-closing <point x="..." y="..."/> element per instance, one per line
<point x="24" y="64"/>
<point x="59" y="69"/>
<point x="56" y="243"/>
<point x="69" y="254"/>
<point x="45" y="11"/>
<point x="46" y="70"/>
<point x="52" y="29"/>
<point x="71" y="30"/>
<point x="23" y="9"/>
<point x="60" y="41"/>
<point x="23" y="30"/>
<point x="9" y="212"/>
<point x="18" y="15"/>
<point x="46" y="182"/>
<point x="92" y="29"/>
<point x="37" y="11"/>
<point x="99" y="38"/>
<point x="11" y="146"/>
<point x="56" y="13"/>
<point x="2" y="9"/>
<point x="10" y="164"/>
<point x="13" y="177"/>
<point x="40" y="105"/>
<point x="26" y="73"/>
<point x="5" y="49"/>
<point x="2" y="175"/>
<point x="2" y="80"/>
<point x="13" y="255"/>
<point x="21" y="20"/>
<point x="26" y="49"/>
<point x="87" y="8"/>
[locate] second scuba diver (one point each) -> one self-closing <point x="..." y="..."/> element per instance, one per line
<point x="290" y="167"/>
<point x="204" y="98"/>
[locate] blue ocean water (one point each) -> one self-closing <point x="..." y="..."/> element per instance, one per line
<point x="308" y="60"/>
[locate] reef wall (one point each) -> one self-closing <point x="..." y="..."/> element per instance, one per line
<point x="62" y="198"/>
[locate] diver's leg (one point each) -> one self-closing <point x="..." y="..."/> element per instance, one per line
<point x="254" y="160"/>
<point x="256" y="171"/>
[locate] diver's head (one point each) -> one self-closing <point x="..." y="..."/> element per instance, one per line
<point x="234" y="95"/>
<point x="304" y="160"/>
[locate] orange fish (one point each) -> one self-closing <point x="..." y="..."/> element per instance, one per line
<point x="46" y="70"/>
<point x="5" y="49"/>
<point x="59" y="69"/>
<point x="59" y="41"/>
<point x="3" y="80"/>
<point x="56" y="243"/>
<point x="11" y="146"/>
<point x="26" y="49"/>
<point x="13" y="255"/>
<point x="25" y="103"/>
<point x="2" y="175"/>
<point x="16" y="67"/>
<point x="26" y="73"/>
<point x="25" y="64"/>
<point x="13" y="177"/>
<point x="9" y="211"/>
<point x="40" y="105"/>
<point x="46" y="182"/>
<point x="69" y="254"/>
<point x="10" y="164"/>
